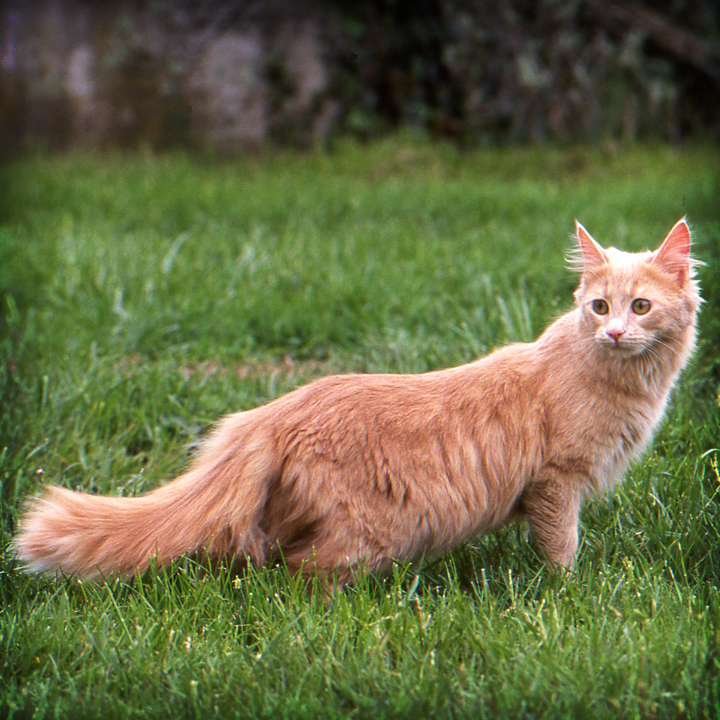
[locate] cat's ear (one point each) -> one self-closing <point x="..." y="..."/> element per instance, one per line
<point x="591" y="255"/>
<point x="673" y="255"/>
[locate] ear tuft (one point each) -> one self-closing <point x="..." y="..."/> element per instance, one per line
<point x="673" y="256"/>
<point x="589" y="255"/>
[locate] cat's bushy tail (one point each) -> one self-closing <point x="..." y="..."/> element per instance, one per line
<point x="214" y="507"/>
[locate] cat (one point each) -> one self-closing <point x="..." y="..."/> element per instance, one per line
<point x="355" y="471"/>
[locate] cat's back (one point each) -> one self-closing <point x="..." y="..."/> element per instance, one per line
<point x="501" y="390"/>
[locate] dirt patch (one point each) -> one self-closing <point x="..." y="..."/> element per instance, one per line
<point x="285" y="368"/>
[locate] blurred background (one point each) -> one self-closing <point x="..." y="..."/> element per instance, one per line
<point x="231" y="75"/>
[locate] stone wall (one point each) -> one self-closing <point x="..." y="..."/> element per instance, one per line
<point x="128" y="73"/>
<point x="231" y="75"/>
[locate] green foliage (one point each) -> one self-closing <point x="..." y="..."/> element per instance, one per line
<point x="155" y="293"/>
<point x="710" y="284"/>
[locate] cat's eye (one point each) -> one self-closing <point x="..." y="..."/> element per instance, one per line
<point x="640" y="306"/>
<point x="600" y="307"/>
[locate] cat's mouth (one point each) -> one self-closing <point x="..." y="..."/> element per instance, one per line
<point x="624" y="346"/>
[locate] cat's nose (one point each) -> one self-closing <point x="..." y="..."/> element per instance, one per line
<point x="615" y="329"/>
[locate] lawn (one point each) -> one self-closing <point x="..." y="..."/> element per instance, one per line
<point x="144" y="296"/>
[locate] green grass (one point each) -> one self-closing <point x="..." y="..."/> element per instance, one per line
<point x="144" y="296"/>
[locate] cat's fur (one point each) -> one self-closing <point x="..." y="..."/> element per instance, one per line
<point x="356" y="470"/>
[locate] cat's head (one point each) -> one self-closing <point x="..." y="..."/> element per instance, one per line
<point x="632" y="302"/>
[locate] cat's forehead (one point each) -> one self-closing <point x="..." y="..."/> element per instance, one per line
<point x="619" y="259"/>
<point x="623" y="274"/>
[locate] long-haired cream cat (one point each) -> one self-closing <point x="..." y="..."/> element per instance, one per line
<point x="355" y="470"/>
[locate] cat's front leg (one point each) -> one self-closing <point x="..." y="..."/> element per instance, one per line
<point x="552" y="507"/>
